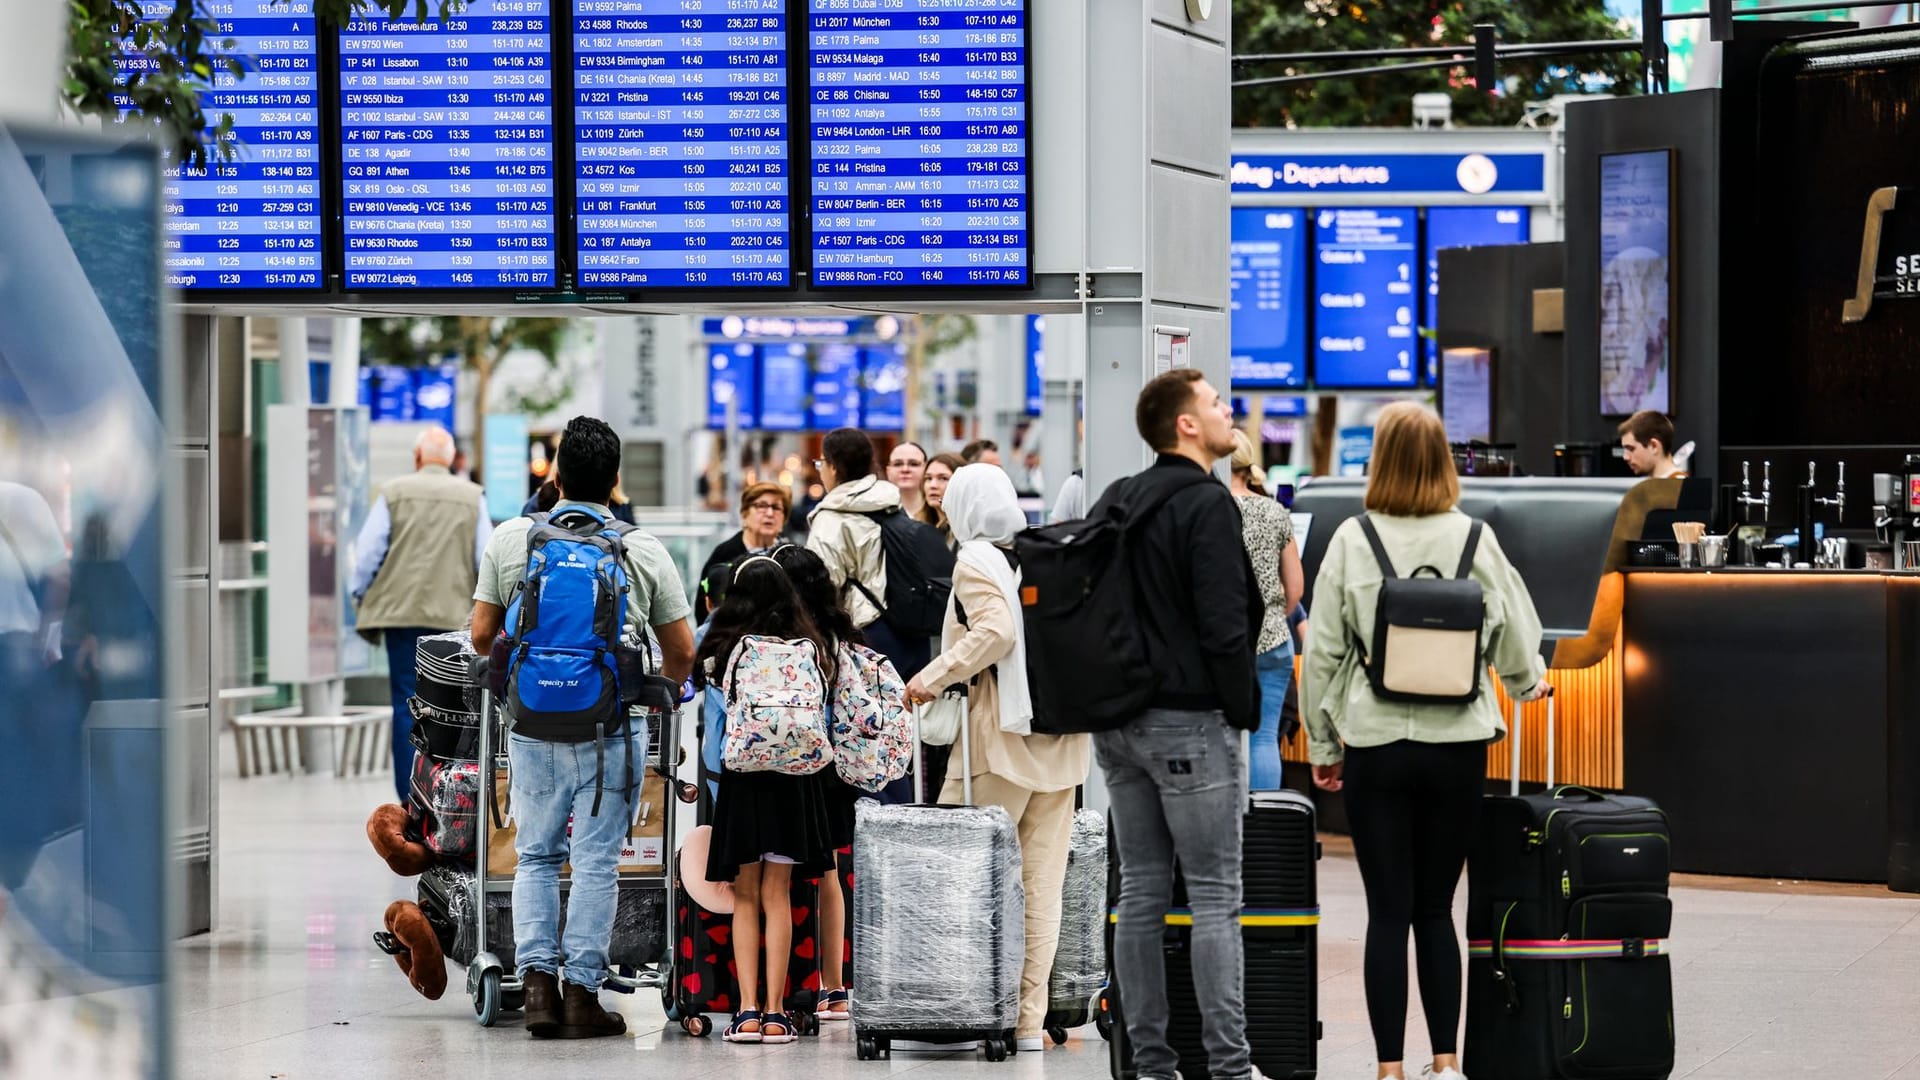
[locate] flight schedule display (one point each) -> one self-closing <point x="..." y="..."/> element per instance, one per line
<point x="1267" y="329"/>
<point x="1464" y="226"/>
<point x="252" y="220"/>
<point x="918" y="115"/>
<point x="1366" y="302"/>
<point x="447" y="157"/>
<point x="680" y="143"/>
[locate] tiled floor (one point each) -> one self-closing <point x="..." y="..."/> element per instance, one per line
<point x="1772" y="980"/>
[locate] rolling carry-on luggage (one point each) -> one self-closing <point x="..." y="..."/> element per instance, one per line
<point x="1279" y="923"/>
<point x="705" y="980"/>
<point x="1568" y="976"/>
<point x="939" y="923"/>
<point x="1080" y="964"/>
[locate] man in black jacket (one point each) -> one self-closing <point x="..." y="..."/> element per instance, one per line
<point x="1177" y="774"/>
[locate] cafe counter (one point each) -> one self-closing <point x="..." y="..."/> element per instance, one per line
<point x="1775" y="715"/>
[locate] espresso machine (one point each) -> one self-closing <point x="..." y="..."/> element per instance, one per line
<point x="1896" y="512"/>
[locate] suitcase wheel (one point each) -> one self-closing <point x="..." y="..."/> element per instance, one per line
<point x="997" y="1048"/>
<point x="806" y="1023"/>
<point x="697" y="1025"/>
<point x="1058" y="1035"/>
<point x="1104" y="1025"/>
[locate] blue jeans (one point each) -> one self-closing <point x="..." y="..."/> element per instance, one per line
<point x="401" y="680"/>
<point x="1274" y="669"/>
<point x="1177" y="781"/>
<point x="552" y="787"/>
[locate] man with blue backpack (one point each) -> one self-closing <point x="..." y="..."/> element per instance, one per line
<point x="565" y="606"/>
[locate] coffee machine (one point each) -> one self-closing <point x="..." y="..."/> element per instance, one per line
<point x="1896" y="512"/>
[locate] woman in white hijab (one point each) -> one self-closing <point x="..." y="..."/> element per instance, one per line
<point x="1032" y="776"/>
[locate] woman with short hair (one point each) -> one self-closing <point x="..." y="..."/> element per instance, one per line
<point x="1414" y="773"/>
<point x="763" y="527"/>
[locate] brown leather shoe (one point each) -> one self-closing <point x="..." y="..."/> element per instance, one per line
<point x="583" y="1018"/>
<point x="543" y="1004"/>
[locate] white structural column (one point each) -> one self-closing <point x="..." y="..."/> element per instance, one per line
<point x="1159" y="116"/>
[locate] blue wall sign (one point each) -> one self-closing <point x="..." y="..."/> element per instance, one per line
<point x="1268" y="324"/>
<point x="1365" y="301"/>
<point x="1454" y="174"/>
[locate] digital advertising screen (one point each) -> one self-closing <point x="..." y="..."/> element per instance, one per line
<point x="883" y="398"/>
<point x="680" y="143"/>
<point x="252" y="221"/>
<point x="447" y="154"/>
<point x="917" y="115"/>
<point x="1268" y="324"/>
<point x="1636" y="282"/>
<point x="1366" y="309"/>
<point x="1464" y="226"/>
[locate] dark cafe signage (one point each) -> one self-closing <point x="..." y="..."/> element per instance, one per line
<point x="1889" y="252"/>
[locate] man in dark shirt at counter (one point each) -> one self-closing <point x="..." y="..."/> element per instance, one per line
<point x="1177" y="774"/>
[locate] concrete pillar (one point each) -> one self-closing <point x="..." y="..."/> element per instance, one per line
<point x="295" y="388"/>
<point x="1064" y="341"/>
<point x="343" y="379"/>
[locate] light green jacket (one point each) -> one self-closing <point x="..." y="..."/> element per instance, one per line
<point x="1337" y="703"/>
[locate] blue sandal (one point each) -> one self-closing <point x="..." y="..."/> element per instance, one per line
<point x="786" y="1032"/>
<point x="834" y="1005"/>
<point x="737" y="1031"/>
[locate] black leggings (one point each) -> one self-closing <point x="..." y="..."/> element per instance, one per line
<point x="1413" y="808"/>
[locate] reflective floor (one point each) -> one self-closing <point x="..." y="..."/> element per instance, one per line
<point x="1772" y="980"/>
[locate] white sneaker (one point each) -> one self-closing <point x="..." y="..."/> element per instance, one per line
<point x="1444" y="1074"/>
<point x="1031" y="1044"/>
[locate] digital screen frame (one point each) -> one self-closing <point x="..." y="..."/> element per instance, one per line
<point x="1636" y="331"/>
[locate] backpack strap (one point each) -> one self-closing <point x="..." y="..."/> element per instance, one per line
<point x="1380" y="549"/>
<point x="1473" y="545"/>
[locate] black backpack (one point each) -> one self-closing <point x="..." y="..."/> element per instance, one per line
<point x="1427" y="644"/>
<point x="919" y="574"/>
<point x="1087" y="663"/>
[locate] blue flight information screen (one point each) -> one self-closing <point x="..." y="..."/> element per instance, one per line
<point x="918" y="114"/>
<point x="253" y="221"/>
<point x="680" y="143"/>
<point x="1366" y="307"/>
<point x="1267" y="331"/>
<point x="447" y="155"/>
<point x="1464" y="226"/>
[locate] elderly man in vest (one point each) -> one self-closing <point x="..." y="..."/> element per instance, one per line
<point x="415" y="566"/>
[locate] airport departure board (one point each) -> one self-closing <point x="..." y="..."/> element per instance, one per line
<point x="918" y="116"/>
<point x="252" y="221"/>
<point x="447" y="158"/>
<point x="1367" y="307"/>
<point x="680" y="143"/>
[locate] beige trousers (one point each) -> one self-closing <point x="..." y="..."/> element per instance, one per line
<point x="1045" y="824"/>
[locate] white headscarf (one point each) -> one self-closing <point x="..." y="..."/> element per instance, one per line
<point x="985" y="515"/>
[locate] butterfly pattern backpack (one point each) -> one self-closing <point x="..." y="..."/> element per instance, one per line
<point x="870" y="724"/>
<point x="776" y="708"/>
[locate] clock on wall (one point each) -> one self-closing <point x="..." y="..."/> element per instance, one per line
<point x="1199" y="10"/>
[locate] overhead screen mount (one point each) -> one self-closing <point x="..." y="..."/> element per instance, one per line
<point x="618" y="152"/>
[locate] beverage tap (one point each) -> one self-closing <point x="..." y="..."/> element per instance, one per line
<point x="1839" y="498"/>
<point x="1746" y="499"/>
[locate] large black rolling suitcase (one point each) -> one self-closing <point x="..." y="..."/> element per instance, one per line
<point x="1280" y="920"/>
<point x="1567" y="918"/>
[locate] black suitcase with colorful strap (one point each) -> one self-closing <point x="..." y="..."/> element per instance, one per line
<point x="1568" y="976"/>
<point x="1280" y="925"/>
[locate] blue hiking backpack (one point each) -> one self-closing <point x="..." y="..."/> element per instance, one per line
<point x="569" y="677"/>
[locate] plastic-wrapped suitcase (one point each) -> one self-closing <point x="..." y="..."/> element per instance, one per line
<point x="1279" y="924"/>
<point x="706" y="980"/>
<point x="444" y="799"/>
<point x="1080" y="964"/>
<point x="939" y="924"/>
<point x="446" y="895"/>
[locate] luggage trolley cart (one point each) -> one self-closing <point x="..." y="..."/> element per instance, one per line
<point x="492" y="984"/>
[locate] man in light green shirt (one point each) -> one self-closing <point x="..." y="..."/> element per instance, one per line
<point x="556" y="787"/>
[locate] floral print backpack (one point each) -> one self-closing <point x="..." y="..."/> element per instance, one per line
<point x="776" y="708"/>
<point x="871" y="726"/>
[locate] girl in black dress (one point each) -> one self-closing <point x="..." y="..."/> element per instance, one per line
<point x="766" y="826"/>
<point x="821" y="600"/>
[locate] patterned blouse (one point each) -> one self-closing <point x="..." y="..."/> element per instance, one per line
<point x="1268" y="529"/>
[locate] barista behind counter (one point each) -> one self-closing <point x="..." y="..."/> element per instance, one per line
<point x="1645" y="441"/>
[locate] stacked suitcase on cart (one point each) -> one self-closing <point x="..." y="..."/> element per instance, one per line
<point x="1279" y="921"/>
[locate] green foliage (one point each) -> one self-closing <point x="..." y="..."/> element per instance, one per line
<point x="1290" y="26"/>
<point x="184" y="46"/>
<point x="478" y="340"/>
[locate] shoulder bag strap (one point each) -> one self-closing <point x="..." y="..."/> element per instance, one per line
<point x="1473" y="545"/>
<point x="1380" y="550"/>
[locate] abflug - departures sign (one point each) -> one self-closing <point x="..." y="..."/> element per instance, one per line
<point x="1471" y="173"/>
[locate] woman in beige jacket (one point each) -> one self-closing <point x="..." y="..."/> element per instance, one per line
<point x="1032" y="776"/>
